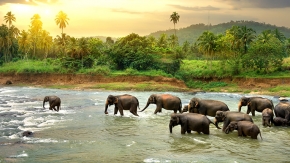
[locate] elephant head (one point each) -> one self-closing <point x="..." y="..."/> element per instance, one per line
<point x="220" y="116"/>
<point x="111" y="100"/>
<point x="185" y="108"/>
<point x="151" y="100"/>
<point x="193" y="105"/>
<point x="174" y="121"/>
<point x="244" y="101"/>
<point x="46" y="98"/>
<point x="231" y="127"/>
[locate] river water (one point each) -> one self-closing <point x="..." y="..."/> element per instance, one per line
<point x="81" y="132"/>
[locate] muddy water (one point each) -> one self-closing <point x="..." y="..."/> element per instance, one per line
<point x="81" y="132"/>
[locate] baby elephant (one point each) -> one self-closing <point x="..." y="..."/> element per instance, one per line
<point x="54" y="101"/>
<point x="267" y="117"/>
<point x="245" y="128"/>
<point x="190" y="122"/>
<point x="279" y="121"/>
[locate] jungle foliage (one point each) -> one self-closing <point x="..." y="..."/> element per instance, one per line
<point x="238" y="50"/>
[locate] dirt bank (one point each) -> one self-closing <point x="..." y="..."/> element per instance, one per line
<point x="88" y="81"/>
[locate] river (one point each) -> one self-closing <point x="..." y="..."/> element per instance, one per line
<point x="81" y="132"/>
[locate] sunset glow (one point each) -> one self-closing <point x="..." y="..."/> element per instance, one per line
<point x="122" y="17"/>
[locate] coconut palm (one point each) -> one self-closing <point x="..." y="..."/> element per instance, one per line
<point x="9" y="18"/>
<point x="279" y="35"/>
<point x="247" y="36"/>
<point x="61" y="20"/>
<point x="23" y="42"/>
<point x="35" y="31"/>
<point x="207" y="44"/>
<point x="265" y="36"/>
<point x="174" y="17"/>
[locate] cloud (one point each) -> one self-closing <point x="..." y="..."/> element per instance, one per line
<point x="238" y="4"/>
<point x="28" y="2"/>
<point x="206" y="8"/>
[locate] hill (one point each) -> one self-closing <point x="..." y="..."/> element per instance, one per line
<point x="192" y="32"/>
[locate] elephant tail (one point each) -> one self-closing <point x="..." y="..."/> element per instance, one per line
<point x="261" y="136"/>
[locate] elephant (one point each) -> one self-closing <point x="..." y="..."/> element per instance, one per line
<point x="255" y="104"/>
<point x="282" y="109"/>
<point x="245" y="128"/>
<point x="206" y="107"/>
<point x="122" y="102"/>
<point x="166" y="101"/>
<point x="54" y="101"/>
<point x="185" y="108"/>
<point x="267" y="117"/>
<point x="228" y="116"/>
<point x="279" y="121"/>
<point x="190" y="122"/>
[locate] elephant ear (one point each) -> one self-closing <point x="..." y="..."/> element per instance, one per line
<point x="177" y="119"/>
<point x="249" y="103"/>
<point x="223" y="116"/>
<point x="115" y="100"/>
<point x="153" y="99"/>
<point x="196" y="104"/>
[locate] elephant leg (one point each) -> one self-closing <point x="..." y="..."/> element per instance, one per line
<point x="248" y="110"/>
<point x="158" y="109"/>
<point x="183" y="130"/>
<point x="133" y="110"/>
<point x="253" y="112"/>
<point x="115" y="110"/>
<point x="121" y="112"/>
<point x="206" y="131"/>
<point x="58" y="108"/>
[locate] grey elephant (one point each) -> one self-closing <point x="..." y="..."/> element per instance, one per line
<point x="245" y="128"/>
<point x="206" y="106"/>
<point x="122" y="102"/>
<point x="228" y="116"/>
<point x="255" y="104"/>
<point x="279" y="121"/>
<point x="267" y="117"/>
<point x="282" y="109"/>
<point x="190" y="122"/>
<point x="166" y="101"/>
<point x="53" y="101"/>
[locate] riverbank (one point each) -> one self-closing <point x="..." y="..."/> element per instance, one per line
<point x="267" y="86"/>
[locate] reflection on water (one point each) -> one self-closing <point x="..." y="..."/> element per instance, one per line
<point x="81" y="132"/>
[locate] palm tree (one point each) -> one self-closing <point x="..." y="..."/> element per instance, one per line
<point x="247" y="36"/>
<point x="61" y="20"/>
<point x="9" y="18"/>
<point x="279" y="35"/>
<point x="265" y="36"/>
<point x="174" y="17"/>
<point x="35" y="31"/>
<point x="207" y="44"/>
<point x="23" y="42"/>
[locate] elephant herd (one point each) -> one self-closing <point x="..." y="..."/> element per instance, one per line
<point x="198" y="109"/>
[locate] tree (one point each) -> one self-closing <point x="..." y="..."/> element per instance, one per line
<point x="280" y="36"/>
<point x="9" y="18"/>
<point x="23" y="42"/>
<point x="247" y="36"/>
<point x="174" y="17"/>
<point x="207" y="44"/>
<point x="61" y="20"/>
<point x="35" y="31"/>
<point x="265" y="36"/>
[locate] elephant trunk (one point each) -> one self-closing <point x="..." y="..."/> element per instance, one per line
<point x="240" y="106"/>
<point x="170" y="127"/>
<point x="148" y="103"/>
<point x="106" y="107"/>
<point x="227" y="130"/>
<point x="43" y="104"/>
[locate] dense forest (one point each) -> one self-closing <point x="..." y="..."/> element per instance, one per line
<point x="192" y="32"/>
<point x="230" y="47"/>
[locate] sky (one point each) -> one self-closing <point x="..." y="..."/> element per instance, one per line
<point x="119" y="18"/>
